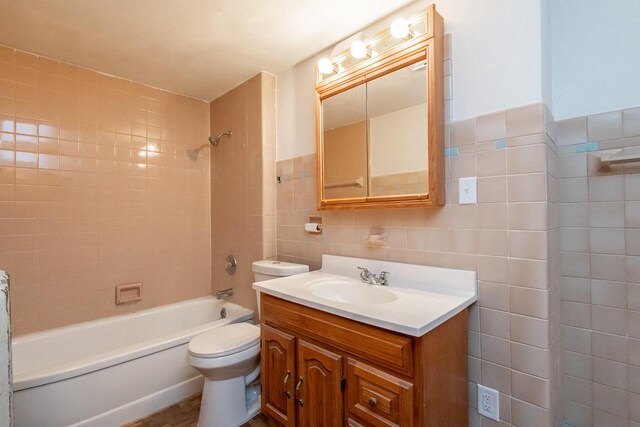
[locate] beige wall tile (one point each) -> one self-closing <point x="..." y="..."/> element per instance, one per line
<point x="605" y="126"/>
<point x="495" y="350"/>
<point x="607" y="214"/>
<point x="530" y="331"/>
<point x="631" y="122"/>
<point x="577" y="364"/>
<point x="492" y="163"/>
<point x="529" y="302"/>
<point x="609" y="346"/>
<point x="531" y="360"/>
<point x="577" y="390"/>
<point x="607" y="293"/>
<point x="525" y="120"/>
<point x="608" y="241"/>
<point x="610" y="373"/>
<point x="527" y="188"/>
<point x="572" y="131"/>
<point x="491" y="127"/>
<point x="528" y="415"/>
<point x="577" y="339"/>
<point x="496" y="376"/>
<point x="611" y="400"/>
<point x="576" y="314"/>
<point x="610" y="320"/>
<point x="573" y="190"/>
<point x="577" y="414"/>
<point x="528" y="244"/>
<point x="463" y="132"/>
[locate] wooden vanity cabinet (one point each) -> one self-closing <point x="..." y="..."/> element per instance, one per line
<point x="319" y="369"/>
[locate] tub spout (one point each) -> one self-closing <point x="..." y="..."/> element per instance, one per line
<point x="224" y="293"/>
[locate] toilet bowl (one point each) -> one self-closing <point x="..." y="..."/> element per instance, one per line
<point x="229" y="359"/>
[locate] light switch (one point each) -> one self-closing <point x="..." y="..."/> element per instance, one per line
<point x="468" y="191"/>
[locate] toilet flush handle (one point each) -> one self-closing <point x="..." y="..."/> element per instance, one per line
<point x="286" y="380"/>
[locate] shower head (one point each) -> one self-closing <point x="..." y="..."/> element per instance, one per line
<point x="215" y="140"/>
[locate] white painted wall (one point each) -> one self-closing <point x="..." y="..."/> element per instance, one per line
<point x="497" y="59"/>
<point x="399" y="141"/>
<point x="595" y="60"/>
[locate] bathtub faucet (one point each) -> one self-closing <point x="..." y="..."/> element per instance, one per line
<point x="224" y="293"/>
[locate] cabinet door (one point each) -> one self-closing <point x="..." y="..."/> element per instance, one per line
<point x="278" y="375"/>
<point x="376" y="398"/>
<point x="318" y="392"/>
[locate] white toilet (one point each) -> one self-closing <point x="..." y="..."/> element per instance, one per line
<point x="229" y="359"/>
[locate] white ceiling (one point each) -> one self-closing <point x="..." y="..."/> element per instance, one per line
<point x="200" y="48"/>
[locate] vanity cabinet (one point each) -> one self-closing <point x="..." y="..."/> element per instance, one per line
<point x="319" y="369"/>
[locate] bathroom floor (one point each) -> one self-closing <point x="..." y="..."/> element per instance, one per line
<point x="185" y="414"/>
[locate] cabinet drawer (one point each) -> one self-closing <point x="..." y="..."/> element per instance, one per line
<point x="389" y="349"/>
<point x="377" y="398"/>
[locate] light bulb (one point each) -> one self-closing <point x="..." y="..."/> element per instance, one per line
<point x="358" y="49"/>
<point x="399" y="28"/>
<point x="325" y="66"/>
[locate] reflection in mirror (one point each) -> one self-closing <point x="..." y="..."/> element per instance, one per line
<point x="397" y="120"/>
<point x="344" y="142"/>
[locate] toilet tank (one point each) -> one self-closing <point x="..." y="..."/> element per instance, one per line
<point x="268" y="269"/>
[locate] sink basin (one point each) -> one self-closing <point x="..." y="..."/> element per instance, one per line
<point x="351" y="292"/>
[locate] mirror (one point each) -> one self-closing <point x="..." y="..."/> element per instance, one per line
<point x="397" y="123"/>
<point x="344" y="124"/>
<point x="380" y="127"/>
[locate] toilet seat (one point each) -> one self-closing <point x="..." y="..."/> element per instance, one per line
<point x="225" y="341"/>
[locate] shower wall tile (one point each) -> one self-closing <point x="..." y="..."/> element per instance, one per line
<point x="243" y="179"/>
<point x="96" y="189"/>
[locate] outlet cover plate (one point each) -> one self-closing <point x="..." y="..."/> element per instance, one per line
<point x="468" y="191"/>
<point x="489" y="402"/>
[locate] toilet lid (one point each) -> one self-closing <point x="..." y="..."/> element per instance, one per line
<point x="225" y="340"/>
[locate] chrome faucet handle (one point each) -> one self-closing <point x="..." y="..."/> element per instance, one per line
<point x="383" y="279"/>
<point x="365" y="274"/>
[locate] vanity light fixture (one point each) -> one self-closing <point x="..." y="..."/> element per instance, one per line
<point x="325" y="66"/>
<point x="399" y="28"/>
<point x="359" y="49"/>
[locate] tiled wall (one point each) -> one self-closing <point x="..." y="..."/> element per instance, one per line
<point x="96" y="189"/>
<point x="509" y="238"/>
<point x="600" y="250"/>
<point x="243" y="177"/>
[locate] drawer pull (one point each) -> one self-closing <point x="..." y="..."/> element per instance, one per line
<point x="373" y="402"/>
<point x="286" y="380"/>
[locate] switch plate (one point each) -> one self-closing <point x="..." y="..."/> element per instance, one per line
<point x="468" y="191"/>
<point x="489" y="402"/>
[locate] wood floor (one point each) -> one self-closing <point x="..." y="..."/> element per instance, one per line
<point x="185" y="414"/>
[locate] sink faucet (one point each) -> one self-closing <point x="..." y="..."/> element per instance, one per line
<point x="372" y="279"/>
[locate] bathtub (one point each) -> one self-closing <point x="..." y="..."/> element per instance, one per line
<point x="112" y="371"/>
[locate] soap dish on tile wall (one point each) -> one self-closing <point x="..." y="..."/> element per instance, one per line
<point x="128" y="293"/>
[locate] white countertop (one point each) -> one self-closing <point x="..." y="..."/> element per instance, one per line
<point x="425" y="297"/>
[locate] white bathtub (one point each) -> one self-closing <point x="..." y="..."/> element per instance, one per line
<point x="115" y="370"/>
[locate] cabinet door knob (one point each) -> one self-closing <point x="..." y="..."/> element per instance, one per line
<point x="286" y="380"/>
<point x="373" y="402"/>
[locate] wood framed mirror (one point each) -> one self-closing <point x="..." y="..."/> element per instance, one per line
<point x="380" y="121"/>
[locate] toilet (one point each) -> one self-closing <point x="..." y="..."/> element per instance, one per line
<point x="229" y="359"/>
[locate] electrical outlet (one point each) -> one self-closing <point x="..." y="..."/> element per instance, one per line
<point x="489" y="402"/>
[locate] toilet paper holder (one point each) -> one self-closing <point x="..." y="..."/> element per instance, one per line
<point x="314" y="226"/>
